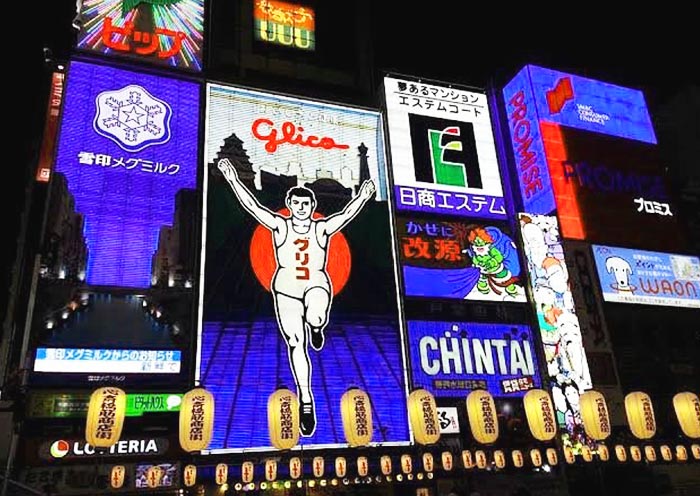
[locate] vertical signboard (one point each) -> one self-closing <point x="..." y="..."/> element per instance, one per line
<point x="298" y="282"/>
<point x="48" y="142"/>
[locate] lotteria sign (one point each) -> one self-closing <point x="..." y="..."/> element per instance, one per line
<point x="62" y="449"/>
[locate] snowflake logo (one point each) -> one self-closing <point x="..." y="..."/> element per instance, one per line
<point x="132" y="118"/>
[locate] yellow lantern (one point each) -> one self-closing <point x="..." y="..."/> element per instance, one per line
<point x="385" y="463"/>
<point x="687" y="407"/>
<point x="666" y="453"/>
<point x="422" y="414"/>
<point x="363" y="466"/>
<point x="603" y="452"/>
<point x="357" y="417"/>
<point x="640" y="415"/>
<point x="569" y="455"/>
<point x="467" y="459"/>
<point x="650" y="453"/>
<point x="105" y="417"/>
<point x="536" y="457"/>
<point x="196" y="420"/>
<point x="247" y="472"/>
<point x="481" y="460"/>
<point x="318" y="466"/>
<point x="594" y="414"/>
<point x="552" y="457"/>
<point x="681" y="453"/>
<point x="153" y="476"/>
<point x="406" y="464"/>
<point x="189" y="475"/>
<point x="295" y="467"/>
<point x="283" y="419"/>
<point x="116" y="479"/>
<point x="446" y="457"/>
<point x="586" y="453"/>
<point x="635" y="453"/>
<point x="341" y="467"/>
<point x="428" y="463"/>
<point x="620" y="453"/>
<point x="499" y="458"/>
<point x="695" y="450"/>
<point x="518" y="459"/>
<point x="483" y="420"/>
<point x="270" y="470"/>
<point x="540" y="414"/>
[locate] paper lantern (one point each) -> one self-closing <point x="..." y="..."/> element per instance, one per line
<point x="695" y="450"/>
<point x="153" y="476"/>
<point x="586" y="453"/>
<point x="295" y="467"/>
<point x="318" y="466"/>
<point x="499" y="458"/>
<point x="189" y="475"/>
<point x="666" y="453"/>
<point x="341" y="467"/>
<point x="385" y="464"/>
<point x="536" y="457"/>
<point x="406" y="464"/>
<point x="687" y="407"/>
<point x="422" y="413"/>
<point x="446" y="458"/>
<point x="640" y="415"/>
<point x="116" y="478"/>
<point x="247" y="472"/>
<point x="283" y="419"/>
<point x="357" y="417"/>
<point x="569" y="455"/>
<point x="518" y="459"/>
<point x="594" y="414"/>
<point x="635" y="453"/>
<point x="620" y="453"/>
<point x="681" y="453"/>
<point x="428" y="464"/>
<point x="540" y="414"/>
<point x="105" y="417"/>
<point x="650" y="453"/>
<point x="552" y="457"/>
<point x="363" y="466"/>
<point x="483" y="420"/>
<point x="603" y="452"/>
<point x="270" y="470"/>
<point x="481" y="460"/>
<point x="196" y="420"/>
<point x="467" y="459"/>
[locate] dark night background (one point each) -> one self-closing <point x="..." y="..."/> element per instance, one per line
<point x="640" y="47"/>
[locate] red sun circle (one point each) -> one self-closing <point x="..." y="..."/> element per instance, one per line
<point x="262" y="256"/>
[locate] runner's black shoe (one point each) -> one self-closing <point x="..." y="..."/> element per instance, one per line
<point x="317" y="338"/>
<point x="307" y="419"/>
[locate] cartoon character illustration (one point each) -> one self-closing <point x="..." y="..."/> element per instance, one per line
<point x="494" y="275"/>
<point x="621" y="270"/>
<point x="301" y="287"/>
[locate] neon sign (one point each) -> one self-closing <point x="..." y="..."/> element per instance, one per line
<point x="284" y="23"/>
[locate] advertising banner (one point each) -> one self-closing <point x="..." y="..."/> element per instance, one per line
<point x="286" y="24"/>
<point x="299" y="287"/>
<point x="71" y="405"/>
<point x="648" y="278"/>
<point x="442" y="150"/>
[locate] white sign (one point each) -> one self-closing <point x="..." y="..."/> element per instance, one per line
<point x="449" y="422"/>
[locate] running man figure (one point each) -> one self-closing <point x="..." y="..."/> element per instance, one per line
<point x="301" y="287"/>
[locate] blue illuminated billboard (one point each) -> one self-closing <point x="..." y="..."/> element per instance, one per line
<point x="298" y="277"/>
<point x="452" y="358"/>
<point x="648" y="277"/>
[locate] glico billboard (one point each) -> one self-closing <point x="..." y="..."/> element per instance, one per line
<point x="587" y="149"/>
<point x="298" y="279"/>
<point x="442" y="150"/>
<point x="115" y="289"/>
<point x="167" y="33"/>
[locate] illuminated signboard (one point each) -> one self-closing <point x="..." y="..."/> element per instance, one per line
<point x="285" y="24"/>
<point x="48" y="142"/>
<point x="164" y="32"/>
<point x="452" y="358"/>
<point x="444" y="258"/>
<point x="442" y="150"/>
<point x="89" y="479"/>
<point x="116" y="361"/>
<point x="66" y="405"/>
<point x="62" y="449"/>
<point x="646" y="277"/>
<point x="169" y="475"/>
<point x="298" y="274"/>
<point x="560" y="330"/>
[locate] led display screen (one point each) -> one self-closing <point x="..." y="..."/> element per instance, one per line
<point x="68" y="405"/>
<point x="298" y="277"/>
<point x="443" y="258"/>
<point x="286" y="24"/>
<point x="560" y="331"/>
<point x="163" y="32"/>
<point x="442" y="150"/>
<point x="648" y="277"/>
<point x="452" y="358"/>
<point x="169" y="475"/>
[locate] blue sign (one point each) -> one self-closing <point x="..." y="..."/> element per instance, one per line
<point x="648" y="277"/>
<point x="70" y="360"/>
<point x="452" y="358"/>
<point x="128" y="145"/>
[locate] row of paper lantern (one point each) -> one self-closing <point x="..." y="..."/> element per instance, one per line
<point x="107" y="408"/>
<point x="478" y="459"/>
